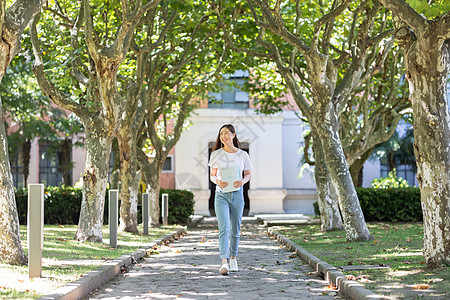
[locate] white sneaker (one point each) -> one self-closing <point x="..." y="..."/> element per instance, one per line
<point x="224" y="269"/>
<point x="233" y="265"/>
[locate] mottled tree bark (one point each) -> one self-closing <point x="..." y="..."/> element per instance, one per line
<point x="427" y="58"/>
<point x="428" y="68"/>
<point x="12" y="24"/>
<point x="354" y="223"/>
<point x="128" y="177"/>
<point x="10" y="247"/>
<point x="330" y="217"/>
<point x="95" y="179"/>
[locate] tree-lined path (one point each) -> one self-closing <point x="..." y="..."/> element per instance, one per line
<point x="188" y="269"/>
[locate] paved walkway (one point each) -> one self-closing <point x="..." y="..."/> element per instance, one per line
<point x="188" y="269"/>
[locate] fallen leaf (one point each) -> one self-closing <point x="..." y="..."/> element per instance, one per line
<point x="149" y="292"/>
<point x="178" y="251"/>
<point x="421" y="287"/>
<point x="350" y="277"/>
<point x="331" y="287"/>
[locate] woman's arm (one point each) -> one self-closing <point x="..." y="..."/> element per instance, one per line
<point x="214" y="179"/>
<point x="247" y="177"/>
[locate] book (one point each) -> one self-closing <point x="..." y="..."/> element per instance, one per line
<point x="230" y="175"/>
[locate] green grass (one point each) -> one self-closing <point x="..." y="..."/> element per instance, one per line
<point x="398" y="246"/>
<point x="59" y="245"/>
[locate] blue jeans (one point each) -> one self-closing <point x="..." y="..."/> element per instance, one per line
<point x="229" y="207"/>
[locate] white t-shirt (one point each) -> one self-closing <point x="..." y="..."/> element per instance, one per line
<point x="230" y="166"/>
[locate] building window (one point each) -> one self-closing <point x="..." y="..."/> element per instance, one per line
<point x="403" y="170"/>
<point x="231" y="94"/>
<point x="168" y="164"/>
<point x="50" y="173"/>
<point x="17" y="169"/>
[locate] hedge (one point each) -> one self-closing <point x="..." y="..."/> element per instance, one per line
<point x="389" y="205"/>
<point x="62" y="205"/>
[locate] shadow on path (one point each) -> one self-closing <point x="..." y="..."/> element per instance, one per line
<point x="188" y="269"/>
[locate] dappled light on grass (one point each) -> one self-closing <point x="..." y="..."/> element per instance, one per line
<point x="396" y="246"/>
<point x="59" y="249"/>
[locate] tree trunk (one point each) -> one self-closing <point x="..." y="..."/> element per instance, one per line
<point x="155" y="210"/>
<point x="95" y="179"/>
<point x="11" y="250"/>
<point x="330" y="217"/>
<point x="26" y="148"/>
<point x="328" y="131"/>
<point x="427" y="68"/>
<point x="151" y="172"/>
<point x="13" y="21"/>
<point x="356" y="169"/>
<point x="66" y="146"/>
<point x="128" y="177"/>
<point x="391" y="161"/>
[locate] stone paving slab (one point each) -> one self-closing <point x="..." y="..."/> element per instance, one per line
<point x="188" y="269"/>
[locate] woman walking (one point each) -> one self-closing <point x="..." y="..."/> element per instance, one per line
<point x="227" y="163"/>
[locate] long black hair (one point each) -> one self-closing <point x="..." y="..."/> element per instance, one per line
<point x="218" y="144"/>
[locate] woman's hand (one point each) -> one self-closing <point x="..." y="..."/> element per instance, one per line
<point x="222" y="184"/>
<point x="238" y="183"/>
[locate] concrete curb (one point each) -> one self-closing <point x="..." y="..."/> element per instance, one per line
<point x="350" y="288"/>
<point x="82" y="287"/>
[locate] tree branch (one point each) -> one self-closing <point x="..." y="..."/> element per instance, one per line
<point x="407" y="14"/>
<point x="77" y="65"/>
<point x="327" y="18"/>
<point x="12" y="24"/>
<point x="48" y="88"/>
<point x="89" y="29"/>
<point x="277" y="26"/>
<point x="445" y="26"/>
<point x="376" y="39"/>
<point x="59" y="14"/>
<point x="228" y="40"/>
